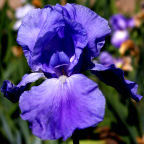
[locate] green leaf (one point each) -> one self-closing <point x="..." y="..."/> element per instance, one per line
<point x="90" y="142"/>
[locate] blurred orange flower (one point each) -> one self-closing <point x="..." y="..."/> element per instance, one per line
<point x="37" y="3"/>
<point x="127" y="64"/>
<point x="140" y="140"/>
<point x="17" y="51"/>
<point x="129" y="45"/>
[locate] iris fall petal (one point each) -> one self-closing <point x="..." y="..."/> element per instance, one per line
<point x="59" y="106"/>
<point x="13" y="92"/>
<point x="114" y="77"/>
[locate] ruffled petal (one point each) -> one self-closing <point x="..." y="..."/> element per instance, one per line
<point x="114" y="77"/>
<point x="13" y="92"/>
<point x="96" y="26"/>
<point x="51" y="32"/>
<point x="59" y="106"/>
<point x="30" y="29"/>
<point x="133" y="86"/>
<point x="33" y="28"/>
<point x="29" y="78"/>
<point x="70" y="38"/>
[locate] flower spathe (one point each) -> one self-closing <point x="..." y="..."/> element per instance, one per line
<point x="56" y="41"/>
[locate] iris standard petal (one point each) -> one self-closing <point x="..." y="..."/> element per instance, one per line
<point x="96" y="27"/>
<point x="34" y="26"/>
<point x="30" y="28"/>
<point x="114" y="77"/>
<point x="59" y="63"/>
<point x="58" y="59"/>
<point x="59" y="106"/>
<point x="13" y="92"/>
<point x="44" y="32"/>
<point x="68" y="39"/>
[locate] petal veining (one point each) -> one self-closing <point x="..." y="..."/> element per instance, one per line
<point x="55" y="108"/>
<point x="96" y="26"/>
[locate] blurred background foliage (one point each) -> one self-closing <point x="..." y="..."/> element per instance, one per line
<point x="124" y="118"/>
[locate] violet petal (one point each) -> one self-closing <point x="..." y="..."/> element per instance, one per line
<point x="114" y="77"/>
<point x="13" y="92"/>
<point x="59" y="106"/>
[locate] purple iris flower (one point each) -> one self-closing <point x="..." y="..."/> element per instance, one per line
<point x="107" y="59"/>
<point x="59" y="43"/>
<point x="118" y="37"/>
<point x="120" y="24"/>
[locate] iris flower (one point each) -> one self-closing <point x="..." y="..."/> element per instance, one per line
<point x="59" y="43"/>
<point x="107" y="59"/>
<point x="120" y="24"/>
